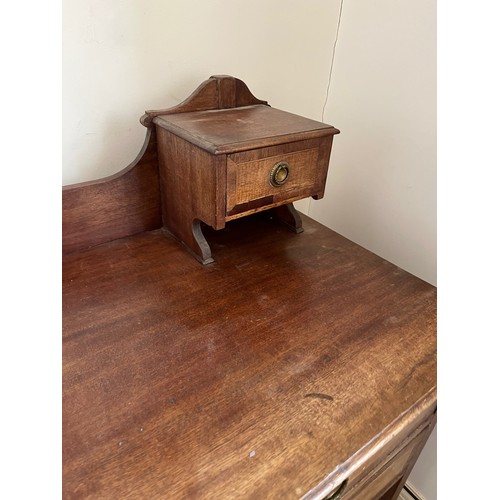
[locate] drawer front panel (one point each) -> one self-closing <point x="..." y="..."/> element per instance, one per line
<point x="300" y="167"/>
<point x="382" y="478"/>
<point x="382" y="463"/>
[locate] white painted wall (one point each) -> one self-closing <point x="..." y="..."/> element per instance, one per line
<point x="381" y="190"/>
<point x="123" y="57"/>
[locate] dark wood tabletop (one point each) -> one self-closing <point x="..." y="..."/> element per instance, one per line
<point x="252" y="377"/>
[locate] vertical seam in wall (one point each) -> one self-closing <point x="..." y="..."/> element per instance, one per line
<point x="329" y="80"/>
<point x="332" y="60"/>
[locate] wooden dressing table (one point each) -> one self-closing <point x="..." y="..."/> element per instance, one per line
<point x="293" y="366"/>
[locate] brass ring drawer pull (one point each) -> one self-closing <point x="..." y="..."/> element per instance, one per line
<point x="338" y="492"/>
<point x="279" y="174"/>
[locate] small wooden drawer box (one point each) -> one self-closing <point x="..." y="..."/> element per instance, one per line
<point x="220" y="164"/>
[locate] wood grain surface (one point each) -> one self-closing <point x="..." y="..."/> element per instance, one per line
<point x="218" y="92"/>
<point x="252" y="377"/>
<point x="248" y="174"/>
<point x="120" y="205"/>
<point x="240" y="129"/>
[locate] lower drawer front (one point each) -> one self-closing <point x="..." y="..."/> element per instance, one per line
<point x="376" y="469"/>
<point x="382" y="478"/>
<point x="276" y="175"/>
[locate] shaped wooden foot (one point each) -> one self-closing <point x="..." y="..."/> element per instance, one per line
<point x="288" y="216"/>
<point x="193" y="239"/>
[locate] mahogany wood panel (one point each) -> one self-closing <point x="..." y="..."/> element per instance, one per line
<point x="253" y="377"/>
<point x="218" y="92"/>
<point x="116" y="206"/>
<point x="193" y="187"/>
